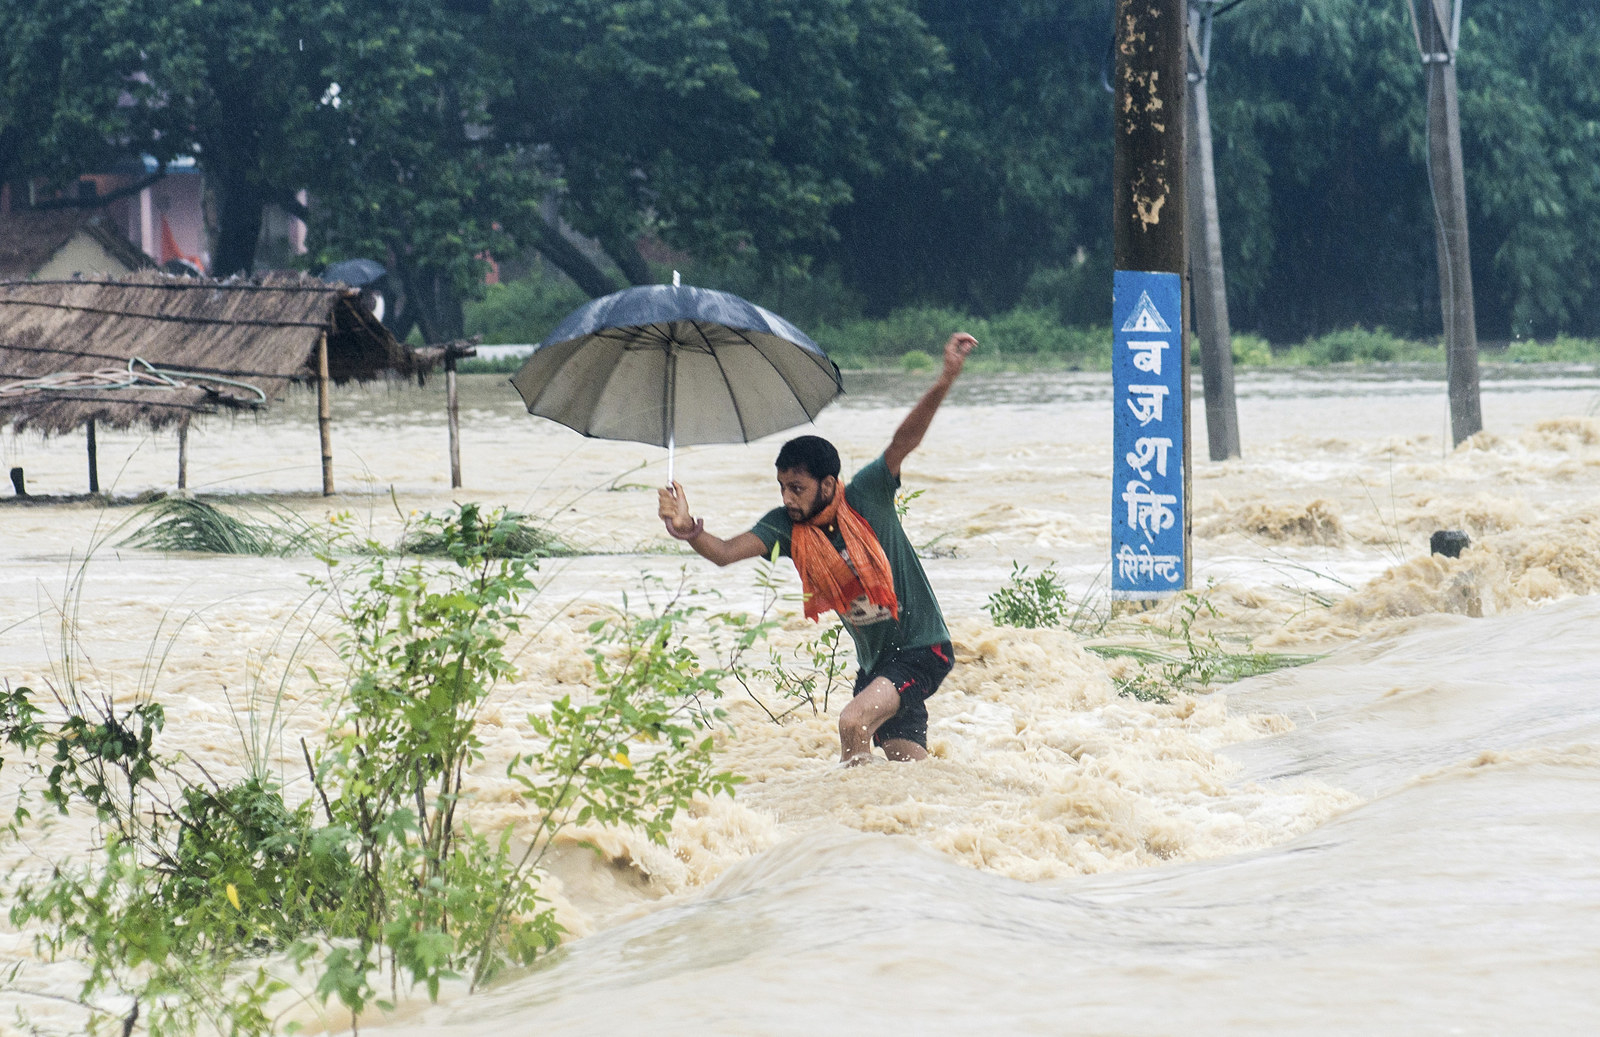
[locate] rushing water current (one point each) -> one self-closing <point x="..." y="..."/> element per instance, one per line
<point x="1401" y="837"/>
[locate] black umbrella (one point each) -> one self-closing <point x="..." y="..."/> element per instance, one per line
<point x="357" y="273"/>
<point x="670" y="364"/>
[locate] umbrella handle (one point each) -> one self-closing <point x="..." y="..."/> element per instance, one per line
<point x="672" y="409"/>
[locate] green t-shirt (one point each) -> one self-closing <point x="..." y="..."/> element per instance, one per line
<point x="874" y="630"/>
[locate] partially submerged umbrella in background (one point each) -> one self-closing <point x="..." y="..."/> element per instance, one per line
<point x="670" y="365"/>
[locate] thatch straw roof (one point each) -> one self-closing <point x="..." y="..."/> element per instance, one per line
<point x="54" y="335"/>
<point x="30" y="238"/>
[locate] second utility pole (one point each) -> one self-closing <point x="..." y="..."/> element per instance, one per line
<point x="1206" y="279"/>
<point x="1437" y="24"/>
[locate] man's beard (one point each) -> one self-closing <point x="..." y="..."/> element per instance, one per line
<point x="816" y="509"/>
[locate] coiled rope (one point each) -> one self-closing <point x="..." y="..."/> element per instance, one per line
<point x="139" y="374"/>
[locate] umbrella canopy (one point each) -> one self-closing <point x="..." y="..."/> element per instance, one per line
<point x="357" y="273"/>
<point x="667" y="365"/>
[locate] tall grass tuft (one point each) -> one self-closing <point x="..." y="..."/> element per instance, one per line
<point x="182" y="524"/>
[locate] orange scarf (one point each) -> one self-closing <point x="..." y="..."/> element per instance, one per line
<point x="829" y="581"/>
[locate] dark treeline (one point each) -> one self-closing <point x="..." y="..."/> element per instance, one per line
<point x="917" y="152"/>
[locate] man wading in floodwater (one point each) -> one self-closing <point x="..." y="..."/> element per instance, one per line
<point x="853" y="557"/>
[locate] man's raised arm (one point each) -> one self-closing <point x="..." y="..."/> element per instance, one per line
<point x="674" y="510"/>
<point x="911" y="430"/>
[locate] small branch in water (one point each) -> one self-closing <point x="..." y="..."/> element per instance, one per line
<point x="312" y="770"/>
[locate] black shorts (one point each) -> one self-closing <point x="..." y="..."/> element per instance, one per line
<point x="915" y="673"/>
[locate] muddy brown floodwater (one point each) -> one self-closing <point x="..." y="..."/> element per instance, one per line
<point x="1401" y="837"/>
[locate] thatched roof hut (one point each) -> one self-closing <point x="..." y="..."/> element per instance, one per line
<point x="49" y="243"/>
<point x="152" y="350"/>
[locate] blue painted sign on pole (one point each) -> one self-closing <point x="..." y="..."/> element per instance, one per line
<point x="1147" y="500"/>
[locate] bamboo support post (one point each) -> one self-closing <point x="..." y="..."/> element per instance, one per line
<point x="94" y="461"/>
<point x="324" y="415"/>
<point x="183" y="454"/>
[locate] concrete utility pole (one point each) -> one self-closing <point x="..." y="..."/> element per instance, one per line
<point x="1148" y="161"/>
<point x="1205" y="247"/>
<point x="1437" y="25"/>
<point x="1150" y="342"/>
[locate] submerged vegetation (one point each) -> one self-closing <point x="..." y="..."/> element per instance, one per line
<point x="208" y="896"/>
<point x="513" y="534"/>
<point x="1189" y="661"/>
<point x="1033" y="601"/>
<point x="188" y="524"/>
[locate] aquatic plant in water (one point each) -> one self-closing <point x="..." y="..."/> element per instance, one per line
<point x="1198" y="662"/>
<point x="1030" y="601"/>
<point x="1194" y="662"/>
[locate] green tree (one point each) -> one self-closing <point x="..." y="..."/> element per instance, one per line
<point x="1022" y="176"/>
<point x="724" y="127"/>
<point x="1531" y="112"/>
<point x="1319" y="114"/>
<point x="411" y="167"/>
<point x="236" y="84"/>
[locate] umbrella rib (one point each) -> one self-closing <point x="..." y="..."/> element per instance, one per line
<point x="538" y="397"/>
<point x="738" y="412"/>
<point x="669" y="401"/>
<point x="601" y="334"/>
<point x="785" y="378"/>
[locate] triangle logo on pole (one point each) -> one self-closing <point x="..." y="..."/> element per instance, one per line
<point x="1145" y="317"/>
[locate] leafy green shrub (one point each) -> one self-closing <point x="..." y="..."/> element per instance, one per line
<point x="1251" y="350"/>
<point x="917" y="360"/>
<point x="375" y="877"/>
<point x="283" y="869"/>
<point x="1358" y="345"/>
<point x="522" y="311"/>
<point x="512" y="535"/>
<point x="922" y="328"/>
<point x="1564" y="349"/>
<point x="1029" y="601"/>
<point x="1038" y="332"/>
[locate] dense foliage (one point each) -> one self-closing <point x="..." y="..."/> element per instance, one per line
<point x="903" y="152"/>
